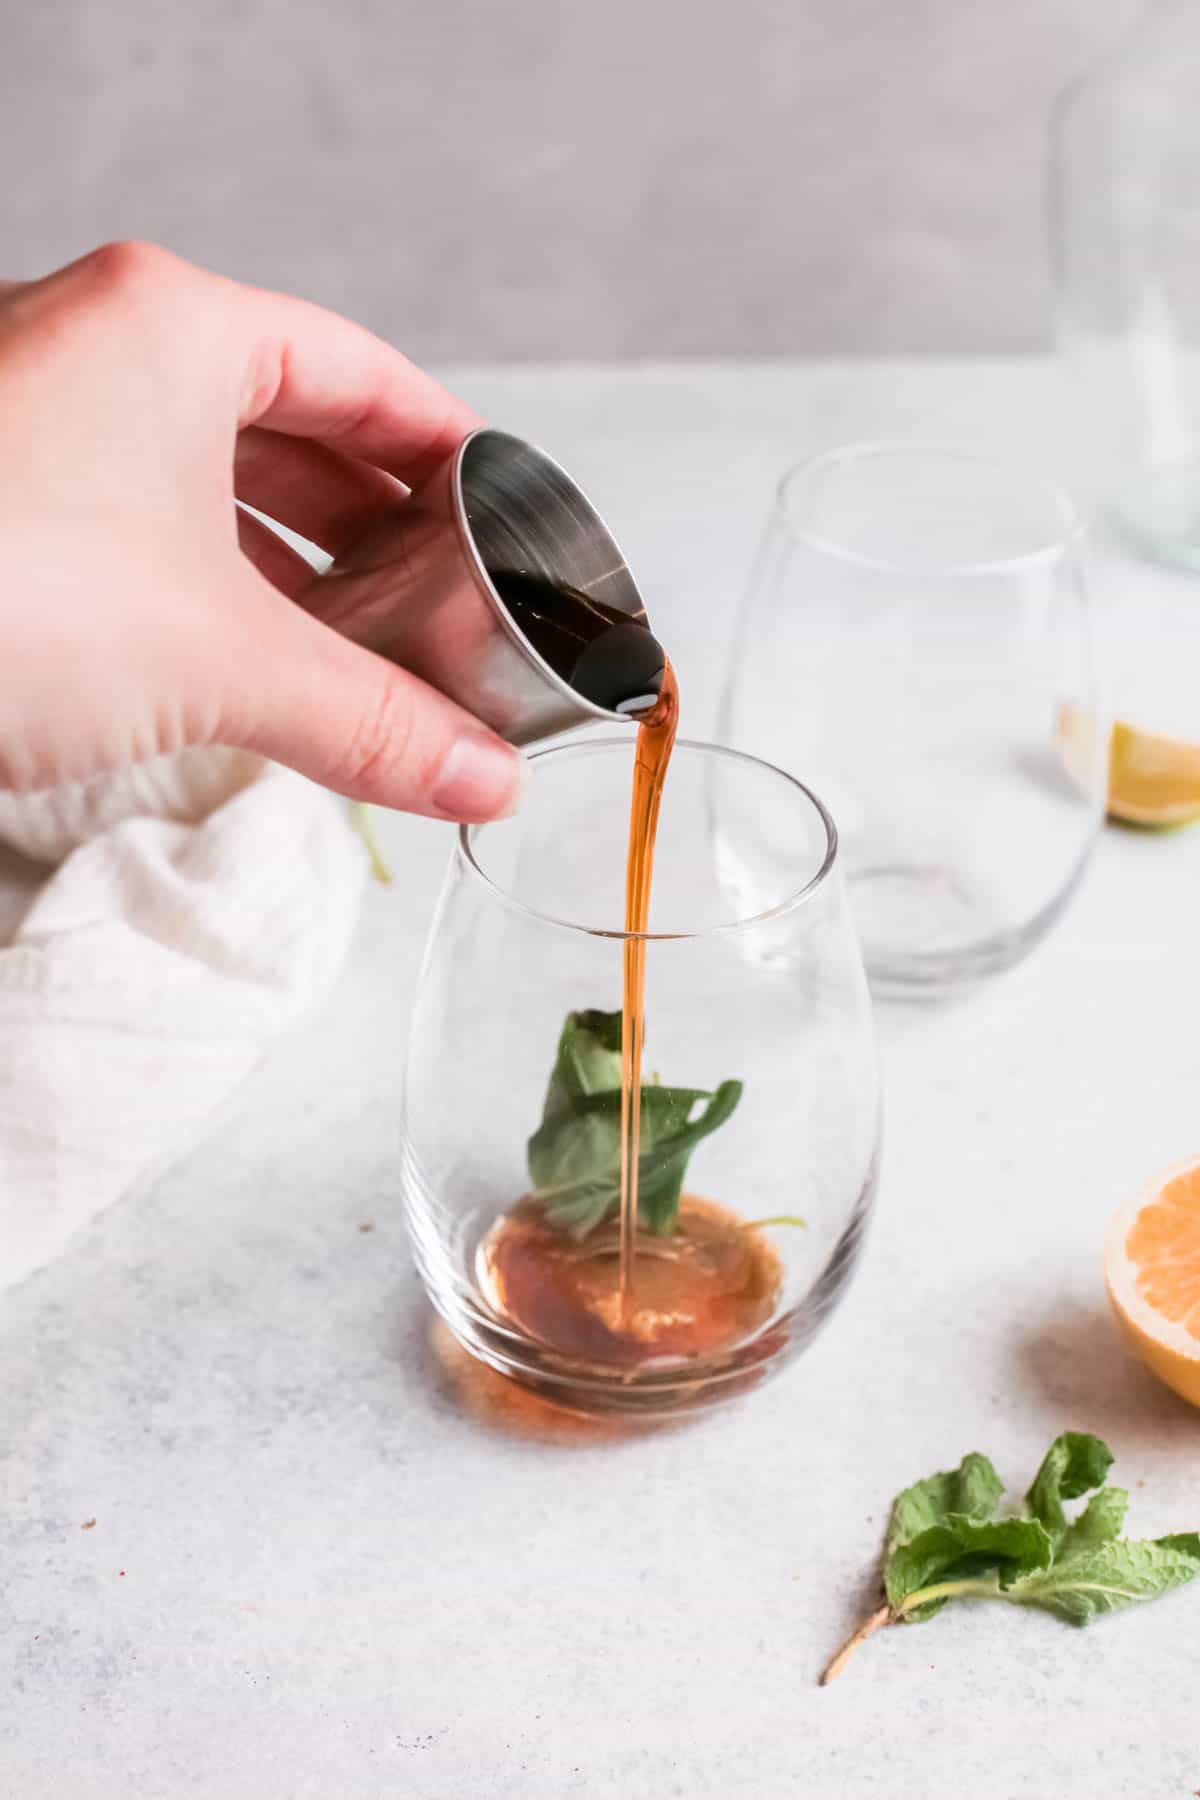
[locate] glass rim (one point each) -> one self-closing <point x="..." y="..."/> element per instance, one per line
<point x="1070" y="518"/>
<point x="465" y="852"/>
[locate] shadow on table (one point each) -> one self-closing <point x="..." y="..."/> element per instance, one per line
<point x="1075" y="1364"/>
<point x="498" y="1404"/>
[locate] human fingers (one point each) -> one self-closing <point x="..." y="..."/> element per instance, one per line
<point x="310" y="373"/>
<point x="355" y="722"/>
<point x="275" y="560"/>
<point x="328" y="498"/>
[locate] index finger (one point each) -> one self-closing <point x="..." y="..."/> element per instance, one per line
<point x="311" y="373"/>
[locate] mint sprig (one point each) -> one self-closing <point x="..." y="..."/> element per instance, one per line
<point x="575" y="1154"/>
<point x="944" y="1542"/>
<point x="360" y="821"/>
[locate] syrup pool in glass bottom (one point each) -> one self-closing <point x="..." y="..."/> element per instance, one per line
<point x="709" y="1286"/>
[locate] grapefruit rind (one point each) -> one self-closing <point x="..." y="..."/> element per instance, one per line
<point x="1167" y="1347"/>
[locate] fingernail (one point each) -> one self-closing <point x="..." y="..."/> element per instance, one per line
<point x="481" y="778"/>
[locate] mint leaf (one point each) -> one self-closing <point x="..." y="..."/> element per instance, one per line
<point x="1089" y="1583"/>
<point x="1099" y="1522"/>
<point x="575" y="1157"/>
<point x="667" y="1141"/>
<point x="1074" y="1464"/>
<point x="963" y="1550"/>
<point x="971" y="1490"/>
<point x="1187" y="1541"/>
<point x="588" y="1061"/>
<point x="575" y="1154"/>
<point x="944" y="1543"/>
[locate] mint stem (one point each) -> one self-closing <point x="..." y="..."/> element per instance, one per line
<point x="979" y="1587"/>
<point x="774" y="1219"/>
<point x="868" y="1628"/>
<point x="361" y="819"/>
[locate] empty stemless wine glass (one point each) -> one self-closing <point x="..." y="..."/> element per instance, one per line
<point x="916" y="642"/>
<point x="759" y="1046"/>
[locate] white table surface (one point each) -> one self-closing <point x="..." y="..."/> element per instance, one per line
<point x="326" y="1564"/>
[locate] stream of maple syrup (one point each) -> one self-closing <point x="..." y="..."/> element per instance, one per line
<point x="655" y="741"/>
<point x="620" y="1297"/>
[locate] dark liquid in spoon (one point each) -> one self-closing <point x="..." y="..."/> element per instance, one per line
<point x="610" y="657"/>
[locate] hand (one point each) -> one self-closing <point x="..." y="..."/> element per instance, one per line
<point x="139" y="609"/>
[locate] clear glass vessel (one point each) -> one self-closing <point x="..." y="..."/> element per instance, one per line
<point x="766" y="990"/>
<point x="916" y="643"/>
<point x="1125" y="224"/>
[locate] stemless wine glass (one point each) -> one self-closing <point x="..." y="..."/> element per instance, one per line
<point x="916" y="642"/>
<point x="769" y="993"/>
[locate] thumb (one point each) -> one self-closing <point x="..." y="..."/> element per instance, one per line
<point x="308" y="697"/>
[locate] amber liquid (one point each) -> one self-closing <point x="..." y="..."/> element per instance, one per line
<point x="617" y="1297"/>
<point x="655" y="741"/>
<point x="712" y="1284"/>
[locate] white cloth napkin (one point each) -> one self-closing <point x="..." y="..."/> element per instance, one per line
<point x="196" y="906"/>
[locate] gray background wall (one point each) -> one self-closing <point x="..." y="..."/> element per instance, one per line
<point x="545" y="178"/>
